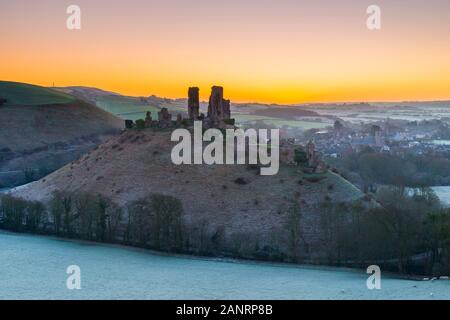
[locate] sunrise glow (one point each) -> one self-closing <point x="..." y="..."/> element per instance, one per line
<point x="263" y="51"/>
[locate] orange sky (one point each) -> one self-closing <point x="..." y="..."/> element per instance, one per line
<point x="286" y="51"/>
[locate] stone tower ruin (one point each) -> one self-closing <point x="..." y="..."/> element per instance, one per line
<point x="193" y="103"/>
<point x="218" y="108"/>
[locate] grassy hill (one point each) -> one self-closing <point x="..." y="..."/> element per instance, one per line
<point x="42" y="129"/>
<point x="29" y="95"/>
<point x="232" y="208"/>
<point x="127" y="107"/>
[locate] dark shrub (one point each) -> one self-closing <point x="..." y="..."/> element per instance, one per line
<point x="140" y="124"/>
<point x="253" y="167"/>
<point x="240" y="181"/>
<point x="315" y="179"/>
<point x="230" y="122"/>
<point x="129" y="124"/>
<point x="300" y="156"/>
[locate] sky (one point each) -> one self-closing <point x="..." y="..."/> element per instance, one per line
<point x="283" y="51"/>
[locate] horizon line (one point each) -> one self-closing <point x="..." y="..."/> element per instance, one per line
<point x="341" y="102"/>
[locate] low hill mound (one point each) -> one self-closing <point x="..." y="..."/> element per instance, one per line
<point x="42" y="129"/>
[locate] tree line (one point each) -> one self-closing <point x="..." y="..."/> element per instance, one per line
<point x="153" y="221"/>
<point x="403" y="232"/>
<point x="369" y="167"/>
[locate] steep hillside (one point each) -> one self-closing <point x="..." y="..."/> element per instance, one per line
<point x="231" y="202"/>
<point x="42" y="129"/>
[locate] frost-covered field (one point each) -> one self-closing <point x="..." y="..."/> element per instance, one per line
<point x="442" y="142"/>
<point x="443" y="193"/>
<point x="35" y="268"/>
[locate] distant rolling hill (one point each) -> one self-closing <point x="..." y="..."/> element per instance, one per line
<point x="134" y="108"/>
<point x="88" y="94"/>
<point x="42" y="129"/>
<point x="125" y="107"/>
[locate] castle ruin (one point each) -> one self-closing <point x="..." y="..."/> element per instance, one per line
<point x="218" y="116"/>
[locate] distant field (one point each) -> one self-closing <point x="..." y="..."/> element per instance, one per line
<point x="30" y="95"/>
<point x="444" y="194"/>
<point x="133" y="108"/>
<point x="126" y="107"/>
<point x="249" y="107"/>
<point x="366" y="115"/>
<point x="306" y="125"/>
